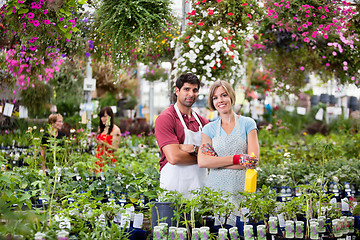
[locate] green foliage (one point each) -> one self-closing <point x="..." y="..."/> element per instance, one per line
<point x="68" y="83"/>
<point x="36" y="98"/>
<point x="108" y="100"/>
<point x="125" y="25"/>
<point x="155" y="73"/>
<point x="259" y="204"/>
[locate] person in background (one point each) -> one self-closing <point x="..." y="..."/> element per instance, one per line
<point x="56" y="123"/>
<point x="108" y="138"/>
<point x="178" y="133"/>
<point x="229" y="145"/>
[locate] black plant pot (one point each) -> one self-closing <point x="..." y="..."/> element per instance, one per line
<point x="162" y="212"/>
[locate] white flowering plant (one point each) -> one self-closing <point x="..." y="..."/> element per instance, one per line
<point x="210" y="54"/>
<point x="213" y="44"/>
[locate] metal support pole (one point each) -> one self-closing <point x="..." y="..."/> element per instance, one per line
<point x="151" y="103"/>
<point x="88" y="96"/>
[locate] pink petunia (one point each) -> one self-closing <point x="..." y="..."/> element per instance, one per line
<point x="45" y="11"/>
<point x="36" y="23"/>
<point x="322" y="17"/>
<point x="32" y="48"/>
<point x="345" y="63"/>
<point x="47" y="21"/>
<point x="334" y="53"/>
<point x="31" y="15"/>
<point x="34" y="5"/>
<point x="325" y="36"/>
<point x="328" y="64"/>
<point x="314" y="34"/>
<point x="345" y="68"/>
<point x="306" y="39"/>
<point x="302" y="68"/>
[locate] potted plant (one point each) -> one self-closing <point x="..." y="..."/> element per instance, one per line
<point x="260" y="206"/>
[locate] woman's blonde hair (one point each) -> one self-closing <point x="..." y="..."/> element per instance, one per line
<point x="228" y="89"/>
<point x="54" y="117"/>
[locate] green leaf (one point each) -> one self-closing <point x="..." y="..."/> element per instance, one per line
<point x="5" y="179"/>
<point x="356" y="211"/>
<point x="24" y="197"/>
<point x="82" y="2"/>
<point x="22" y="11"/>
<point x="75" y="29"/>
<point x="62" y="29"/>
<point x="68" y="35"/>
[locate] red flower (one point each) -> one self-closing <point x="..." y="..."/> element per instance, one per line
<point x="197" y="3"/>
<point x="201" y="24"/>
<point x="213" y="67"/>
<point x="192" y="13"/>
<point x="211" y="12"/>
<point x="219" y="1"/>
<point x="189" y="23"/>
<point x="231" y="14"/>
<point x="249" y="15"/>
<point x="244" y="4"/>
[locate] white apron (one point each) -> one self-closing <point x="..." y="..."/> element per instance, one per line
<point x="184" y="178"/>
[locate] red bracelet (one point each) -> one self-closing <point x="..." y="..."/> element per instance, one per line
<point x="236" y="159"/>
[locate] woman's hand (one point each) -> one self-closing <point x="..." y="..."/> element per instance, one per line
<point x="207" y="149"/>
<point x="245" y="160"/>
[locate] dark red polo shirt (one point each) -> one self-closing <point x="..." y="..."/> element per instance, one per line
<point x="169" y="130"/>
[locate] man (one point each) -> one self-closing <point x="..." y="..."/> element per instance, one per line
<point x="178" y="133"/>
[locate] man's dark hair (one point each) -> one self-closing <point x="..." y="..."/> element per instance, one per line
<point x="187" y="78"/>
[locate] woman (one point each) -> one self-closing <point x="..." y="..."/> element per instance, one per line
<point x="56" y="123"/>
<point x="108" y="137"/>
<point x="229" y="145"/>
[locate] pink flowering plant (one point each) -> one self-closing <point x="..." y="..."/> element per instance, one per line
<point x="316" y="36"/>
<point x="213" y="41"/>
<point x="35" y="33"/>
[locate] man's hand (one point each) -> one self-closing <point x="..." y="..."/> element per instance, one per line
<point x="189" y="148"/>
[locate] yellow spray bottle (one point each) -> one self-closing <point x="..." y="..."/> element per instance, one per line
<point x="250" y="179"/>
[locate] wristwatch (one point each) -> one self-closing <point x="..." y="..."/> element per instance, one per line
<point x="196" y="148"/>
